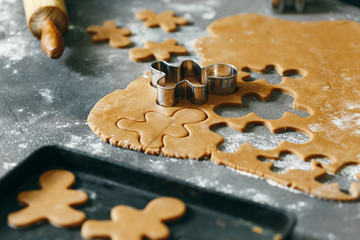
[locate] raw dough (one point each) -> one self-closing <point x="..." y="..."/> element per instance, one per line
<point x="129" y="223"/>
<point x="51" y="203"/>
<point x="151" y="132"/>
<point x="161" y="51"/>
<point x="325" y="53"/>
<point x="166" y="20"/>
<point x="109" y="32"/>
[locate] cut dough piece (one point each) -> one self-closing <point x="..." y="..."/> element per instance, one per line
<point x="117" y="37"/>
<point x="166" y="20"/>
<point x="161" y="51"/>
<point x="129" y="223"/>
<point x="328" y="62"/>
<point x="53" y="202"/>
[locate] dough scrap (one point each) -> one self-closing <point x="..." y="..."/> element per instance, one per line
<point x="161" y="51"/>
<point x="129" y="223"/>
<point x="166" y="20"/>
<point x="116" y="36"/>
<point x="328" y="89"/>
<point x="53" y="202"/>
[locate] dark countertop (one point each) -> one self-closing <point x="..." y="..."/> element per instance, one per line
<point x="46" y="102"/>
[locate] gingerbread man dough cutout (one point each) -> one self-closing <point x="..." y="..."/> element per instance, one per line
<point x="128" y="223"/>
<point x="53" y="202"/>
<point x="151" y="133"/>
<point x="166" y="20"/>
<point x="161" y="51"/>
<point x="116" y="36"/>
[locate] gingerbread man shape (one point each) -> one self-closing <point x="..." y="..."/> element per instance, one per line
<point x="166" y="20"/>
<point x="161" y="51"/>
<point x="51" y="203"/>
<point x="157" y="125"/>
<point x="128" y="223"/>
<point x="116" y="36"/>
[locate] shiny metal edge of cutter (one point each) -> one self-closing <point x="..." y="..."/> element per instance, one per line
<point x="174" y="83"/>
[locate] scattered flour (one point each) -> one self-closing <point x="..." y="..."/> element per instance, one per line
<point x="157" y="165"/>
<point x="47" y="94"/>
<point x="316" y="127"/>
<point x="208" y="15"/>
<point x="33" y="118"/>
<point x="91" y="143"/>
<point x="92" y="194"/>
<point x="258" y="136"/>
<point x="9" y="165"/>
<point x="74" y="141"/>
<point x="349" y="76"/>
<point x="346" y="121"/>
<point x="203" y="181"/>
<point x="12" y="44"/>
<point x="97" y="147"/>
<point x="353" y="105"/>
<point x="349" y="172"/>
<point x="23" y="145"/>
<point x="330" y="236"/>
<point x="206" y="11"/>
<point x="288" y="162"/>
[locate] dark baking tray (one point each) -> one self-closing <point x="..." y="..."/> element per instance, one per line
<point x="210" y="215"/>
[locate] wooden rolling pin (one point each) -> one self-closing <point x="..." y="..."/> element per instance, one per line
<point x="48" y="20"/>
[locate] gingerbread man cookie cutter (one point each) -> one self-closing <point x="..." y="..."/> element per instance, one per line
<point x="174" y="83"/>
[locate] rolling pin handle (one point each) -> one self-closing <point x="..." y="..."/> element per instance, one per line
<point x="52" y="41"/>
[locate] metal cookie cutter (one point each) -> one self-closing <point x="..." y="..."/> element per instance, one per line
<point x="191" y="81"/>
<point x="278" y="6"/>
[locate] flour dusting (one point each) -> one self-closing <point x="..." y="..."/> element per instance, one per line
<point x="206" y="11"/>
<point x="9" y="165"/>
<point x="13" y="45"/>
<point x="258" y="136"/>
<point x="47" y="94"/>
<point x="74" y="141"/>
<point x="203" y="181"/>
<point x="346" y="121"/>
<point x="353" y="105"/>
<point x="157" y="165"/>
<point x="316" y="127"/>
<point x="299" y="207"/>
<point x="288" y="162"/>
<point x="97" y="147"/>
<point x="90" y="143"/>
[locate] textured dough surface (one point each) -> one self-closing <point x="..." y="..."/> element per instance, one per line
<point x="325" y="53"/>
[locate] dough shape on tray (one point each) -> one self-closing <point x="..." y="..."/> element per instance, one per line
<point x="53" y="202"/>
<point x="325" y="54"/>
<point x="117" y="37"/>
<point x="161" y="51"/>
<point x="129" y="223"/>
<point x="166" y="20"/>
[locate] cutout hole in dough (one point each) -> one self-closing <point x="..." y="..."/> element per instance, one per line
<point x="345" y="176"/>
<point x="270" y="74"/>
<point x="274" y="108"/>
<point x="258" y="136"/>
<point x="288" y="161"/>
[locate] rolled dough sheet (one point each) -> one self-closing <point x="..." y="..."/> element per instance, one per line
<point x="325" y="53"/>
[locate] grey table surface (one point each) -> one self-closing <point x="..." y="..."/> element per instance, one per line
<point x="46" y="102"/>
